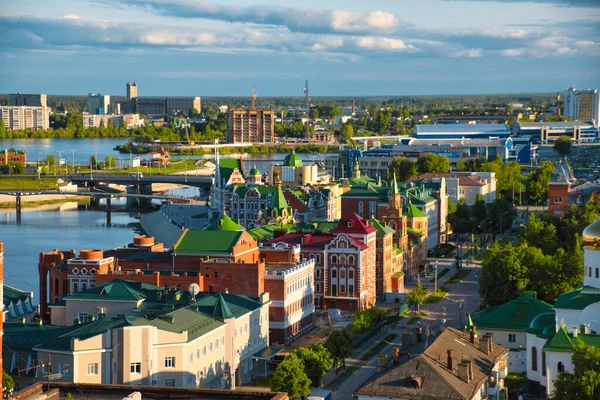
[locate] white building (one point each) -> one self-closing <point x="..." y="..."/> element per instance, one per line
<point x="132" y="162"/>
<point x="99" y="103"/>
<point x="552" y="337"/>
<point x="582" y="105"/>
<point x="25" y="117"/>
<point x="130" y="121"/>
<point x="465" y="185"/>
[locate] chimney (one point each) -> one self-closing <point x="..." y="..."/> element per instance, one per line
<point x="463" y="371"/>
<point x="484" y="344"/>
<point x="381" y="362"/>
<point x="472" y="338"/>
<point x="450" y="359"/>
<point x="396" y="355"/>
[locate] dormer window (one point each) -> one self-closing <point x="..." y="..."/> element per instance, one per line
<point x="303" y="240"/>
<point x="349" y="224"/>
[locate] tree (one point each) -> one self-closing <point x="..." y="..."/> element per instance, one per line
<point x="563" y="145"/>
<point x="317" y="362"/>
<point x="503" y="276"/>
<point x="432" y="163"/>
<point x="110" y="161"/>
<point x="541" y="234"/>
<point x="584" y="382"/>
<point x="51" y="159"/>
<point x="403" y="168"/>
<point x="8" y="385"/>
<point x="558" y="118"/>
<point x="538" y="182"/>
<point x="93" y="162"/>
<point x="290" y="377"/>
<point x="339" y="344"/>
<point x="347" y="132"/>
<point x="417" y="296"/>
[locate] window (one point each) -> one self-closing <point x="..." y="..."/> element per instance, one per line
<point x="560" y="367"/>
<point x="351" y="260"/>
<point x="210" y="344"/>
<point x="512" y="338"/>
<point x="204" y="351"/>
<point x="83" y="317"/>
<point x="169" y="362"/>
<point x="92" y="369"/>
<point x="318" y="287"/>
<point x="170" y="382"/>
<point x="191" y="358"/>
<point x="558" y="200"/>
<point x="318" y="258"/>
<point x="63" y="369"/>
<point x="223" y="338"/>
<point x="135" y="368"/>
<point x="342" y="273"/>
<point x="543" y="363"/>
<point x="101" y="315"/>
<point x="334" y="273"/>
<point x="197" y="354"/>
<point x="217" y="344"/>
<point x="351" y="273"/>
<point x="534" y="359"/>
<point x="350" y="290"/>
<point x="334" y="290"/>
<point x="342" y="288"/>
<point x="191" y="381"/>
<point x="334" y="259"/>
<point x="318" y="273"/>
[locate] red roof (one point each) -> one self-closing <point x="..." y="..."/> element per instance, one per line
<point x="354" y="224"/>
<point x="464" y="178"/>
<point x="314" y="241"/>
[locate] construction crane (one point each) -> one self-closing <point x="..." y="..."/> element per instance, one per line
<point x="181" y="123"/>
<point x="253" y="99"/>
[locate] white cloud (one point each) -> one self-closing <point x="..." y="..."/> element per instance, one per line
<point x="175" y="38"/>
<point x="382" y="43"/>
<point x="585" y="43"/>
<point x="471" y="53"/>
<point x="69" y="16"/>
<point x="504" y="33"/>
<point x="513" y="52"/>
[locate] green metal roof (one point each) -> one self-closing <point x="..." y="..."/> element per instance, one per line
<point x="362" y="181"/>
<point x="238" y="305"/>
<point x="267" y="353"/>
<point x="262" y="190"/>
<point x="382" y="229"/>
<point x="541" y="322"/>
<point x="576" y="300"/>
<point x="95" y="328"/>
<point x="413" y="211"/>
<point x="13" y="295"/>
<point x="187" y="319"/>
<point x="516" y="314"/>
<point x="221" y="310"/>
<point x="19" y="336"/>
<point x="414" y="231"/>
<point x="117" y="289"/>
<point x="369" y="190"/>
<point x="254" y="172"/>
<point x="292" y="160"/>
<point x="394" y="185"/>
<point x="225" y="223"/>
<point x="564" y="341"/>
<point x="208" y="242"/>
<point x="226" y="167"/>
<point x="279" y="202"/>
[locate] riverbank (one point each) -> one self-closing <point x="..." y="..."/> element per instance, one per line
<point x="7" y="201"/>
<point x="28" y="183"/>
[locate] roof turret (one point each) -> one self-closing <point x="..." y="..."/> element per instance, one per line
<point x="292" y="160"/>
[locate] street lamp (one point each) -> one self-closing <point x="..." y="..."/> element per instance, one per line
<point x="436" y="275"/>
<point x="73" y="163"/>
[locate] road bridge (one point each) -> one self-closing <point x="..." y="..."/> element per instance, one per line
<point x="93" y="179"/>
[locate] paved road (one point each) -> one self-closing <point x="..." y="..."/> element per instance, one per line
<point x="451" y="309"/>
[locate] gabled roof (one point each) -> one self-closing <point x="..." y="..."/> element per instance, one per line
<point x="382" y="229"/>
<point x="576" y="300"/>
<point x="279" y="203"/>
<point x="294" y="202"/>
<point x="354" y="224"/>
<point x="117" y="289"/>
<point x="437" y="381"/>
<point x="563" y="340"/>
<point x="225" y="223"/>
<point x="226" y="167"/>
<point x="208" y="242"/>
<point x="226" y="305"/>
<point x="413" y="211"/>
<point x="516" y="314"/>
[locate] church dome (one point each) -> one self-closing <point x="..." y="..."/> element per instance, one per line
<point x="254" y="172"/>
<point x="541" y="322"/>
<point x="591" y="234"/>
<point x="292" y="160"/>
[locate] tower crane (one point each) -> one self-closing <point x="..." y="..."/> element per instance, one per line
<point x="181" y="123"/>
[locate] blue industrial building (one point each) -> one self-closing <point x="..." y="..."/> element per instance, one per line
<point x="462" y="131"/>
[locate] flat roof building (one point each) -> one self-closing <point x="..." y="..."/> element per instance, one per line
<point x="250" y="126"/>
<point x="582" y="105"/>
<point x="22" y="99"/>
<point x="25" y="117"/>
<point x="548" y="132"/>
<point x="462" y="131"/>
<point x="99" y="103"/>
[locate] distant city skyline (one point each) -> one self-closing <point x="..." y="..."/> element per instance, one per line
<point x="353" y="48"/>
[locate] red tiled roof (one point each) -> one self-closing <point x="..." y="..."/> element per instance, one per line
<point x="314" y="241"/>
<point x="294" y="202"/>
<point x="359" y="226"/>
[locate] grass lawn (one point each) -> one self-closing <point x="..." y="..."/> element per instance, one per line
<point x="176" y="166"/>
<point x="437" y="296"/>
<point x="27" y="183"/>
<point x="459" y="276"/>
<point x="27" y="204"/>
<point x="377" y="348"/>
<point x="440" y="274"/>
<point x="415" y="318"/>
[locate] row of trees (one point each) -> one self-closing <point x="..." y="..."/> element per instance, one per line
<point x="547" y="258"/>
<point x="481" y="217"/>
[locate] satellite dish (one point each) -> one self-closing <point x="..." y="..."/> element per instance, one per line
<point x="194" y="289"/>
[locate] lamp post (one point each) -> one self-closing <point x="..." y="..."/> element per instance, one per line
<point x="38" y="165"/>
<point x="436" y="276"/>
<point x="73" y="160"/>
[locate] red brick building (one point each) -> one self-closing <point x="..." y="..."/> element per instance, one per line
<point x="1" y="311"/>
<point x="344" y="262"/>
<point x="13" y="156"/>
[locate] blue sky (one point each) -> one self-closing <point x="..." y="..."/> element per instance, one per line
<point x="344" y="48"/>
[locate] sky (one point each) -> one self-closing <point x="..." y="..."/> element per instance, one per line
<point x="342" y="47"/>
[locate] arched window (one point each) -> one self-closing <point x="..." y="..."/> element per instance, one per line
<point x="393" y="225"/>
<point x="342" y="259"/>
<point x="351" y="260"/>
<point x="560" y="367"/>
<point x="597" y="272"/>
<point x="334" y="259"/>
<point x="333" y="272"/>
<point x="318" y="273"/>
<point x="534" y="358"/>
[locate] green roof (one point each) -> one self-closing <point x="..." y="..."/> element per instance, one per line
<point x="370" y="190"/>
<point x="117" y="289"/>
<point x="564" y="341"/>
<point x="362" y="181"/>
<point x="382" y="229"/>
<point x="414" y="231"/>
<point x="226" y="167"/>
<point x="394" y="185"/>
<point x="398" y="250"/>
<point x="238" y="305"/>
<point x="13" y="295"/>
<point x="208" y="242"/>
<point x="187" y="319"/>
<point x="19" y="336"/>
<point x="292" y="160"/>
<point x="254" y="172"/>
<point x="516" y="314"/>
<point x="541" y="322"/>
<point x="413" y="211"/>
<point x="576" y="300"/>
<point x="92" y="329"/>
<point x="279" y="202"/>
<point x="221" y="310"/>
<point x="242" y="189"/>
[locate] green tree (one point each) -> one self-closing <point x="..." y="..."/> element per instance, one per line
<point x="93" y="162"/>
<point x="403" y="168"/>
<point x="317" y="362"/>
<point x="503" y="276"/>
<point x="110" y="161"/>
<point x="563" y="145"/>
<point x="417" y="296"/>
<point x="8" y="384"/>
<point x="347" y="132"/>
<point x="584" y="382"/>
<point x="538" y="181"/>
<point x="339" y="344"/>
<point x="51" y="160"/>
<point x="540" y="234"/>
<point x="432" y="163"/>
<point x="290" y="377"/>
<point x="558" y="118"/>
<point x="508" y="179"/>
<point x="2" y="129"/>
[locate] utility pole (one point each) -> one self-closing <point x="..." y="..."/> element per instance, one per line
<point x="436" y="276"/>
<point x="73" y="163"/>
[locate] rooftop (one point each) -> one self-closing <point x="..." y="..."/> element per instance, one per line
<point x="516" y="314"/>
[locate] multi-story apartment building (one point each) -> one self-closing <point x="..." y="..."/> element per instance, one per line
<point x="129" y="121"/>
<point x="250" y="126"/>
<point x="290" y="284"/>
<point x="345" y="261"/>
<point x="32" y="100"/>
<point x="25" y="117"/>
<point x="152" y="106"/>
<point x="1" y="311"/>
<point x="208" y="343"/>
<point x="176" y="105"/>
<point x="582" y="105"/>
<point x="99" y="103"/>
